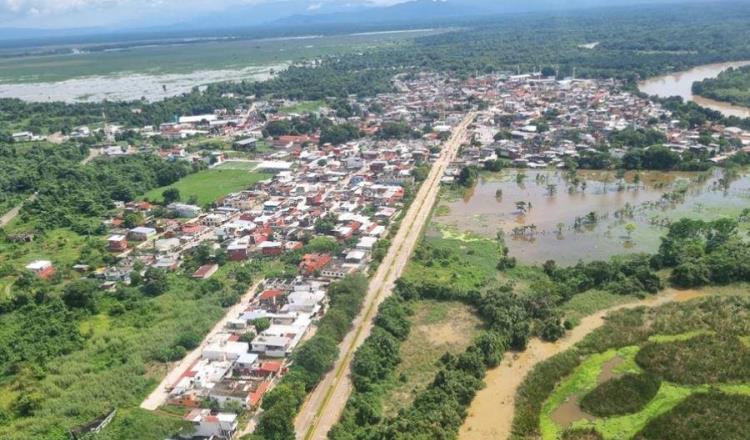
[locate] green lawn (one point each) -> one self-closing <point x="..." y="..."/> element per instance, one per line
<point x="303" y="107"/>
<point x="210" y="185"/>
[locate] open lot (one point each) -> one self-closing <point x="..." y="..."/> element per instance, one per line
<point x="210" y="185"/>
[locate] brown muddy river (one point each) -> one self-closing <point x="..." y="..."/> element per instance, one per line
<point x="559" y="225"/>
<point x="681" y="83"/>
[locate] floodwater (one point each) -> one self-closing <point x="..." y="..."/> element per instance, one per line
<point x="558" y="225"/>
<point x="681" y="83"/>
<point x="128" y="86"/>
<point x="490" y="415"/>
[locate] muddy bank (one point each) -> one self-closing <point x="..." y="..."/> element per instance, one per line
<point x="491" y="412"/>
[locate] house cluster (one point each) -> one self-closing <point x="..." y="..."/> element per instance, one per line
<point x="326" y="205"/>
<point x="538" y="122"/>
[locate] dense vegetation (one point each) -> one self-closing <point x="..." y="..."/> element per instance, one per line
<point x="621" y="395"/>
<point x="71" y="352"/>
<point x="78" y="196"/>
<point x="698" y="360"/>
<point x="446" y="270"/>
<point x="704" y="253"/>
<point x="731" y="85"/>
<point x="702" y="416"/>
<point x="658" y="333"/>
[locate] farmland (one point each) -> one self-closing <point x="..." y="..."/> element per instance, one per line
<point x="209" y="185"/>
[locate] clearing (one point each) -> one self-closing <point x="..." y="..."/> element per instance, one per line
<point x="210" y="185"/>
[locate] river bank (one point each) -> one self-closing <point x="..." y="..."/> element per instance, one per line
<point x="490" y="415"/>
<point x="681" y="83"/>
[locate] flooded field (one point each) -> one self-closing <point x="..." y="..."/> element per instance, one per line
<point x="130" y="86"/>
<point x="681" y="83"/>
<point x="544" y="215"/>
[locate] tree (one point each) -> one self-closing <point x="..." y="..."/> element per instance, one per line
<point x="132" y="219"/>
<point x="171" y="195"/>
<point x="630" y="228"/>
<point x="261" y="324"/>
<point x="81" y="294"/>
<point x="155" y="282"/>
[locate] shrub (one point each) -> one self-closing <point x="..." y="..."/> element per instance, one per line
<point x="622" y="395"/>
<point x="699" y="360"/>
<point x="702" y="416"/>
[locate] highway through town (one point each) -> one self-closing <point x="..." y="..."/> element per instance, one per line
<point x="325" y="404"/>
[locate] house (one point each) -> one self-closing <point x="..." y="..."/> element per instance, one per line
<point x="184" y="210"/>
<point x="270" y="248"/>
<point x="246" y="144"/>
<point x="233" y="390"/>
<point x="238" y="249"/>
<point x="209" y="424"/>
<point x="225" y="350"/>
<point x="246" y="363"/>
<point x="41" y="268"/>
<point x="117" y="243"/>
<point x="141" y="233"/>
<point x="312" y="263"/>
<point x="204" y="272"/>
<point x="23" y="136"/>
<point x="272" y="346"/>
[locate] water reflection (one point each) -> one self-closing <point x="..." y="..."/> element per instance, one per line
<point x="594" y="216"/>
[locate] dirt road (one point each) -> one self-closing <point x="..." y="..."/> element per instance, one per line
<point x="324" y="405"/>
<point x="159" y="396"/>
<point x="491" y="411"/>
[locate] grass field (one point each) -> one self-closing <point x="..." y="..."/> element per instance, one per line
<point x="188" y="57"/>
<point x="236" y="165"/>
<point x="303" y="107"/>
<point x="438" y="327"/>
<point x="210" y="185"/>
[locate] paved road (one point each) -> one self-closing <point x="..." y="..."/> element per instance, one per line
<point x="159" y="396"/>
<point x="325" y="404"/>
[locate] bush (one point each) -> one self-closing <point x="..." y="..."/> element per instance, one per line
<point x="698" y="360"/>
<point x="623" y="395"/>
<point x="702" y="416"/>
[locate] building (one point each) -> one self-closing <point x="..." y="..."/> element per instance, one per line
<point x="312" y="263"/>
<point x="204" y="272"/>
<point x="141" y="233"/>
<point x="184" y="210"/>
<point x="41" y="268"/>
<point x="212" y="425"/>
<point x="117" y="243"/>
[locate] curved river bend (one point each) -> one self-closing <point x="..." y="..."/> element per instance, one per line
<point x="681" y="83"/>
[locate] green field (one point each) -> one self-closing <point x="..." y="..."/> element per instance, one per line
<point x="210" y="185"/>
<point x="185" y="58"/>
<point x="303" y="107"/>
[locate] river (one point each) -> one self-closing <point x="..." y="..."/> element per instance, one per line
<point x="681" y="83"/>
<point x="490" y="415"/>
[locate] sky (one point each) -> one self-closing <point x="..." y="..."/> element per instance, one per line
<point x="96" y="13"/>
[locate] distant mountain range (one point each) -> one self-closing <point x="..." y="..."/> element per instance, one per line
<point x="305" y="15"/>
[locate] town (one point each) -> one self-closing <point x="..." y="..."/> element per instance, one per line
<point x="331" y="195"/>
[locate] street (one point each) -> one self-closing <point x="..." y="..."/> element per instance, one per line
<point x="325" y="404"/>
